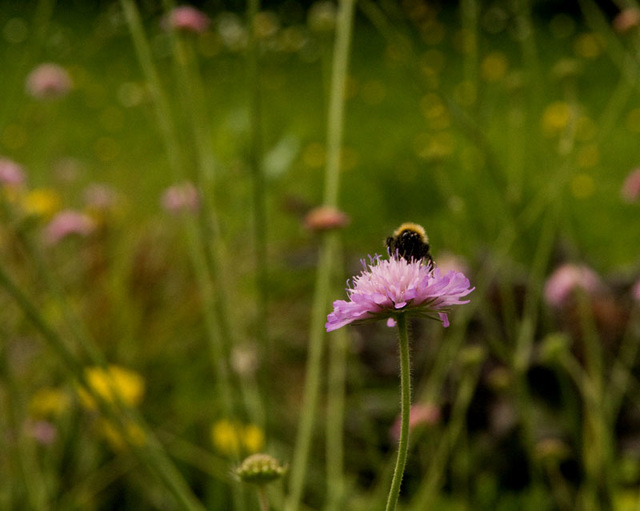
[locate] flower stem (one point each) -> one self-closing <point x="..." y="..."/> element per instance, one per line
<point x="405" y="407"/>
<point x="262" y="497"/>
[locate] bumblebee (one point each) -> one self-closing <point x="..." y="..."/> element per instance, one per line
<point x="410" y="242"/>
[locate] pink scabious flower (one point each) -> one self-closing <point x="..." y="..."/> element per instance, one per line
<point x="566" y="279"/>
<point x="626" y="19"/>
<point x="66" y="223"/>
<point x="11" y="174"/>
<point x="186" y="19"/>
<point x="631" y="187"/>
<point x="179" y="198"/>
<point x="48" y="81"/>
<point x="394" y="286"/>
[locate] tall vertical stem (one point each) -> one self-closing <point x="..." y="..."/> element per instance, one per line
<point x="327" y="255"/>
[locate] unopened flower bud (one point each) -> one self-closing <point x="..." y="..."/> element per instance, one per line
<point x="260" y="469"/>
<point x="553" y="347"/>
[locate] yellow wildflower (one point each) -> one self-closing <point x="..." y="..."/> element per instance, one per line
<point x="555" y="118"/>
<point x="48" y="402"/>
<point x="112" y="381"/>
<point x="232" y="438"/>
<point x="41" y="202"/>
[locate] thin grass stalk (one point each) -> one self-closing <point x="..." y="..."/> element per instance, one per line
<point x="259" y="210"/>
<point x="335" y="118"/>
<point x="405" y="410"/>
<point x="328" y="256"/>
<point x="299" y="464"/>
<point x="597" y="444"/>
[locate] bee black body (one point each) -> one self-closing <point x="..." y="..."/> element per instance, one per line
<point x="410" y="242"/>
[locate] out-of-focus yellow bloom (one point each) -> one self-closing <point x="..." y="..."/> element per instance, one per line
<point x="588" y="46"/>
<point x="232" y="438"/>
<point x="434" y="146"/>
<point x="120" y="438"/>
<point x="582" y="186"/>
<point x="48" y="402"/>
<point x="111" y="382"/>
<point x="253" y="438"/>
<point x="555" y="118"/>
<point x="41" y="202"/>
<point x="626" y="500"/>
<point x="494" y="66"/>
<point x="435" y="111"/>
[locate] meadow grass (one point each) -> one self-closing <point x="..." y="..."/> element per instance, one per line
<point x="144" y="357"/>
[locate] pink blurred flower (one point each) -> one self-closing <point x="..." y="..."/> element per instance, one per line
<point x="325" y="218"/>
<point x="187" y="19"/>
<point x="11" y="173"/>
<point x="43" y="432"/>
<point x="48" y="81"/>
<point x="626" y="20"/>
<point x="389" y="287"/>
<point x="100" y="197"/>
<point x="450" y="262"/>
<point x="66" y="223"/>
<point x="183" y="197"/>
<point x="566" y="279"/>
<point x="425" y="414"/>
<point x="631" y="187"/>
<point x="635" y="291"/>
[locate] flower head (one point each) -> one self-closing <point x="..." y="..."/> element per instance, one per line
<point x="631" y="187"/>
<point x="231" y="437"/>
<point x="180" y="198"/>
<point x="325" y="218"/>
<point x="11" y="173"/>
<point x="111" y="383"/>
<point x="389" y="287"/>
<point x="67" y="223"/>
<point x="566" y="279"/>
<point x="635" y="291"/>
<point x="260" y="469"/>
<point x="48" y="81"/>
<point x="186" y="19"/>
<point x="626" y="20"/>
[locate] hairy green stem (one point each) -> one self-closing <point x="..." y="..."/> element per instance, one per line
<point x="405" y="410"/>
